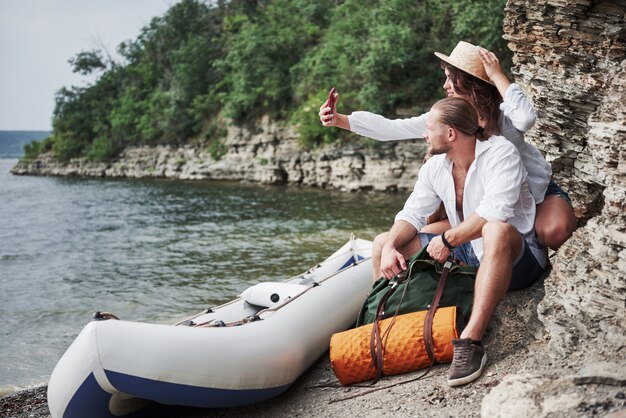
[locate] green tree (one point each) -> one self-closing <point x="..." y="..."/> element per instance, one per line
<point x="379" y="54"/>
<point x="87" y="62"/>
<point x="480" y="23"/>
<point x="202" y="61"/>
<point x="263" y="44"/>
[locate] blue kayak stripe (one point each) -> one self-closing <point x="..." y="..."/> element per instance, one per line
<point x="348" y="263"/>
<point x="89" y="400"/>
<point x="187" y="395"/>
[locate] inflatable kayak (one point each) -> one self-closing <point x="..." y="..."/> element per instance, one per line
<point x="245" y="351"/>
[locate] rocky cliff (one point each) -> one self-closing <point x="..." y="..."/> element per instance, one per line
<point x="570" y="57"/>
<point x="268" y="154"/>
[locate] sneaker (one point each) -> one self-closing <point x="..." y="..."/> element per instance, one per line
<point x="468" y="362"/>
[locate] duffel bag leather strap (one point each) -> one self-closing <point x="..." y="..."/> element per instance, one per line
<point x="376" y="340"/>
<point x="428" y="322"/>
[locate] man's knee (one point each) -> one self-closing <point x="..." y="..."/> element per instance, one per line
<point x="496" y="229"/>
<point x="501" y="237"/>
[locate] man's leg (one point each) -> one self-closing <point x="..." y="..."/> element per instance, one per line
<point x="502" y="247"/>
<point x="377" y="250"/>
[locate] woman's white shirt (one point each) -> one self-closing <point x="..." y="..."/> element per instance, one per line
<point x="516" y="117"/>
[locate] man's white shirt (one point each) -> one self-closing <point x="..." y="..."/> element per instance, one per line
<point x="496" y="189"/>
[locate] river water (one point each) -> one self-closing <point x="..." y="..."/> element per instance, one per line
<point x="151" y="250"/>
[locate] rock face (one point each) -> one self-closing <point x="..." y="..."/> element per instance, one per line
<point x="270" y="154"/>
<point x="571" y="58"/>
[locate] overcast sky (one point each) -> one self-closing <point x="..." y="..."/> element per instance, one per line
<point x="37" y="37"/>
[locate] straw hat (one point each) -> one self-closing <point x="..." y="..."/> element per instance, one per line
<point x="465" y="57"/>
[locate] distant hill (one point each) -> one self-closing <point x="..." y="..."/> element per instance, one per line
<point x="12" y="142"/>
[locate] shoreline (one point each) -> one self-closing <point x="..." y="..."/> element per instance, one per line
<point x="519" y="368"/>
<point x="25" y="403"/>
<point x="12" y="388"/>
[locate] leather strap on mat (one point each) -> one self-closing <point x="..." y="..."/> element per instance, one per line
<point x="428" y="322"/>
<point x="376" y="340"/>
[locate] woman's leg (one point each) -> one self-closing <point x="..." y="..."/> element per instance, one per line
<point x="438" y="227"/>
<point x="437" y="222"/>
<point x="555" y="221"/>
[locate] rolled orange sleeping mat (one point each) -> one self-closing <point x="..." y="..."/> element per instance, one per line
<point x="404" y="350"/>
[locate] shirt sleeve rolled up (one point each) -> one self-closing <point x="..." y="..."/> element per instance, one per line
<point x="422" y="202"/>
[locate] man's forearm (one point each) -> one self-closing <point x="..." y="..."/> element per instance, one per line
<point x="392" y="261"/>
<point x="400" y="234"/>
<point x="469" y="229"/>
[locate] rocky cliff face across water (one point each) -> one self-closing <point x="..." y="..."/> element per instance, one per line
<point x="270" y="154"/>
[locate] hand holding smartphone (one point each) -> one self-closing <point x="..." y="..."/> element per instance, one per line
<point x="331" y="100"/>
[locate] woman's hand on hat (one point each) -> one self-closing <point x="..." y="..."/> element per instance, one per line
<point x="490" y="62"/>
<point x="493" y="70"/>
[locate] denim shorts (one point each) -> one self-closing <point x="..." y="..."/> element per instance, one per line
<point x="556" y="190"/>
<point x="526" y="268"/>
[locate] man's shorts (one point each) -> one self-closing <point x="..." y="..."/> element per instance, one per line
<point x="526" y="268"/>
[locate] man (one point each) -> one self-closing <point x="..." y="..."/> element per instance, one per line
<point x="482" y="184"/>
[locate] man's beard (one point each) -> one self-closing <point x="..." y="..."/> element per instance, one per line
<point x="436" y="151"/>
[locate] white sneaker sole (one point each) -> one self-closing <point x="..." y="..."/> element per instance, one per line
<point x="467" y="379"/>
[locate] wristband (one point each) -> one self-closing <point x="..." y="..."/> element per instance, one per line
<point x="446" y="243"/>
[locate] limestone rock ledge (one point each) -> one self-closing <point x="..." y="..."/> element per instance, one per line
<point x="271" y="154"/>
<point x="551" y="395"/>
<point x="570" y="57"/>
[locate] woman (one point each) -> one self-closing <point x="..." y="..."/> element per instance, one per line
<point x="473" y="73"/>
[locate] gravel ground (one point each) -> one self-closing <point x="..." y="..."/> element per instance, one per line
<point x="514" y="337"/>
<point x="25" y="404"/>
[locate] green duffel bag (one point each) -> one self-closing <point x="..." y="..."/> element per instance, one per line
<point x="416" y="293"/>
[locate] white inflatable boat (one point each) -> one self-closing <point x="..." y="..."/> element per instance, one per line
<point x="245" y="351"/>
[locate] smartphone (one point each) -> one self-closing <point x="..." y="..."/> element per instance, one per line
<point x="331" y="99"/>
